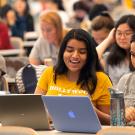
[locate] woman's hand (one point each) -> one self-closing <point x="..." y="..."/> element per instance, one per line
<point x="103" y="115"/>
<point x="105" y="44"/>
<point x="130" y="114"/>
<point x="111" y="36"/>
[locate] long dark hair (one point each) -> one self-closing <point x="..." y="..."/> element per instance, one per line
<point x="87" y="78"/>
<point x="118" y="54"/>
<point x="132" y="68"/>
<point x="27" y="9"/>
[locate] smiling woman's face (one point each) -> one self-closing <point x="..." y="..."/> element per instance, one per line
<point x="75" y="55"/>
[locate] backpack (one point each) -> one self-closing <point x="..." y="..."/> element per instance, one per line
<point x="27" y="77"/>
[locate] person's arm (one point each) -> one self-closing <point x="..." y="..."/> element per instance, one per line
<point x="44" y="80"/>
<point x="39" y="91"/>
<point x="34" y="57"/>
<point x="103" y="113"/>
<point x="130" y="114"/>
<point x="105" y="44"/>
<point x="34" y="61"/>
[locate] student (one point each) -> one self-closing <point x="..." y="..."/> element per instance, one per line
<point x="48" y="44"/>
<point x="24" y="21"/>
<point x="8" y="14"/>
<point x="100" y="31"/>
<point x="127" y="81"/>
<point x="94" y="11"/>
<point x="78" y="73"/>
<point x="81" y="10"/>
<point x="4" y="37"/>
<point x="116" y="63"/>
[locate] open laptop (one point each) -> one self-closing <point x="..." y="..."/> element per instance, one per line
<point x="72" y="113"/>
<point x="23" y="110"/>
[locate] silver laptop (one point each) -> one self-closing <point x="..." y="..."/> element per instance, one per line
<point x="72" y="113"/>
<point x="23" y="110"/>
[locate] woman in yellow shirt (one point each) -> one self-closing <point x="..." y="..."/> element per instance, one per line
<point x="78" y="72"/>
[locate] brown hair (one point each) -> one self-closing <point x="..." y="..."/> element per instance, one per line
<point x="101" y="22"/>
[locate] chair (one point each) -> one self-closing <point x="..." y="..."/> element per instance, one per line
<point x="17" y="43"/>
<point x="117" y="131"/>
<point x="4" y="84"/>
<point x="30" y="36"/>
<point x="16" y="130"/>
<point x="13" y="64"/>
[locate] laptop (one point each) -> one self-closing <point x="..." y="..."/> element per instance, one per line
<point x="23" y="110"/>
<point x="72" y="113"/>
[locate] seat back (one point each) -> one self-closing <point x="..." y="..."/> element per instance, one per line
<point x="26" y="78"/>
<point x="13" y="64"/>
<point x="3" y="84"/>
<point x="18" y="43"/>
<point x="117" y="131"/>
<point x="16" y="130"/>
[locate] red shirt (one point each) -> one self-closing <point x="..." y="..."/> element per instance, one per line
<point x="4" y="37"/>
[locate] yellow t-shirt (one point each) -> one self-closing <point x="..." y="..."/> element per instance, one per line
<point x="63" y="86"/>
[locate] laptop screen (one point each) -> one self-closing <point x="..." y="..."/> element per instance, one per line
<point x="72" y="113"/>
<point x="23" y="110"/>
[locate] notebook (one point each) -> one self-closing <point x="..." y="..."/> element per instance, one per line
<point x="23" y="110"/>
<point x="72" y="113"/>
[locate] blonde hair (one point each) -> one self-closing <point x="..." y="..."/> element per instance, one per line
<point x="53" y="18"/>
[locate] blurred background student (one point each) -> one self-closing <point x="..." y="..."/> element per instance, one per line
<point x="8" y="15"/>
<point x="4" y="37"/>
<point x="101" y="26"/>
<point x="57" y="6"/>
<point x="94" y="11"/>
<point x="24" y="20"/>
<point x="80" y="14"/>
<point x="48" y="44"/>
<point x="126" y="83"/>
<point x="116" y="62"/>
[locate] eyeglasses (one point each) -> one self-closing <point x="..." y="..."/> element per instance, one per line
<point x="126" y="34"/>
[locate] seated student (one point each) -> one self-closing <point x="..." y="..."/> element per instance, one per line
<point x="24" y="19"/>
<point x="78" y="72"/>
<point x="100" y="31"/>
<point x="7" y="13"/>
<point x="81" y="10"/>
<point x="126" y="83"/>
<point x="116" y="62"/>
<point x="48" y="44"/>
<point x="4" y="37"/>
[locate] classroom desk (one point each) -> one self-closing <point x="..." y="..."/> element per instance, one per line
<point x="54" y="132"/>
<point x="28" y="44"/>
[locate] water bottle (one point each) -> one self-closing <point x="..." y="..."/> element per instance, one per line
<point x="117" y="108"/>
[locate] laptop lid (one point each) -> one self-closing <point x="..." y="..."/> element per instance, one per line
<point x="72" y="113"/>
<point x="23" y="110"/>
